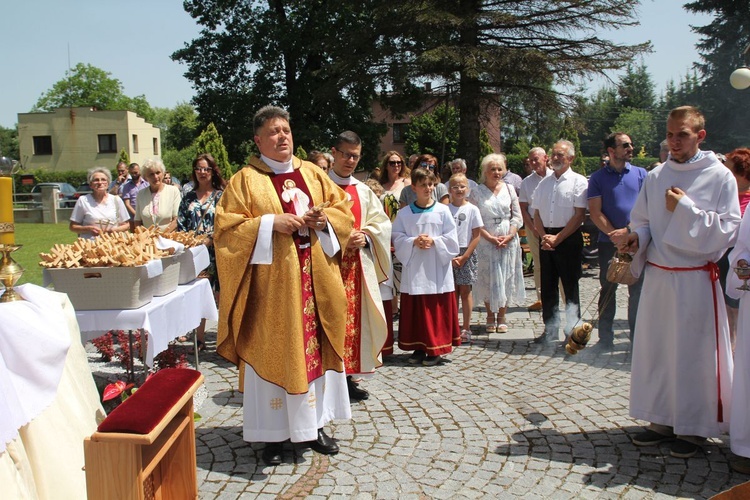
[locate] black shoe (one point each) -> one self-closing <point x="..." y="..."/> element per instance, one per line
<point x="324" y="444"/>
<point x="273" y="453"/>
<point x="650" y="438"/>
<point x="355" y="393"/>
<point x="417" y="357"/>
<point x="683" y="449"/>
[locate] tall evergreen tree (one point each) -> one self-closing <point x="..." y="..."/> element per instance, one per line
<point x="721" y="46"/>
<point x="500" y="47"/>
<point x="210" y="141"/>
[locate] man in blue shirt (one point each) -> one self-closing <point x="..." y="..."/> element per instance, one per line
<point x="612" y="192"/>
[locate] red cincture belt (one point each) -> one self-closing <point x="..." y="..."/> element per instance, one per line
<point x="713" y="275"/>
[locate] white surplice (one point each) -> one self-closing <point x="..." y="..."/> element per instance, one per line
<point x="675" y="353"/>
<point x="426" y="272"/>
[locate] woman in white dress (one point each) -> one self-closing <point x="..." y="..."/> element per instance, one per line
<point x="99" y="212"/>
<point x="159" y="204"/>
<point x="500" y="274"/>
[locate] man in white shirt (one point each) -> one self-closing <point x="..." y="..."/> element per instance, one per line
<point x="537" y="160"/>
<point x="559" y="209"/>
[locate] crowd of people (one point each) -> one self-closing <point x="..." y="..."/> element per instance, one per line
<point x="348" y="257"/>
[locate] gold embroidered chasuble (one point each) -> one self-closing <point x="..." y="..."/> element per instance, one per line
<point x="260" y="317"/>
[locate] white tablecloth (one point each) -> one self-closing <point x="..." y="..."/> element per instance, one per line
<point x="164" y="318"/>
<point x="45" y="459"/>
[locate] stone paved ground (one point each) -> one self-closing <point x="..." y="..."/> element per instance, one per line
<point x="501" y="418"/>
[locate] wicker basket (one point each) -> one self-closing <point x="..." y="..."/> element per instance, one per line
<point x="96" y="288"/>
<point x="166" y="282"/>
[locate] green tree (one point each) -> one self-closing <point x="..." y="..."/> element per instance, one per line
<point x="435" y="133"/>
<point x="500" y="47"/>
<point x="720" y="48"/>
<point x="569" y="133"/>
<point x="636" y="89"/>
<point x="87" y="85"/>
<point x="640" y="127"/>
<point x="123" y="156"/>
<point x="210" y="141"/>
<point x="9" y="143"/>
<point x="596" y="116"/>
<point x="313" y="58"/>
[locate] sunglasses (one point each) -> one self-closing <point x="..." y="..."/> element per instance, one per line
<point x="426" y="165"/>
<point x="626" y="145"/>
<point x="395" y="162"/>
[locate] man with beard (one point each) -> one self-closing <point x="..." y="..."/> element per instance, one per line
<point x="365" y="263"/>
<point x="559" y="209"/>
<point x="612" y="192"/>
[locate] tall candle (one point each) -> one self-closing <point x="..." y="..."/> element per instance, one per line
<point x="6" y="209"/>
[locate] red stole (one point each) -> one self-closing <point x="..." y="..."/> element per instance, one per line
<point x="311" y="329"/>
<point x="351" y="275"/>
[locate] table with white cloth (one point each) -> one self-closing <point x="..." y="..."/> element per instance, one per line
<point x="164" y="318"/>
<point x="48" y="399"/>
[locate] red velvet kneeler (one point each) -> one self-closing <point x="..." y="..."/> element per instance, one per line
<point x="142" y="411"/>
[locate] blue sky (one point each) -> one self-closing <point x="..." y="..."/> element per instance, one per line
<point x="133" y="41"/>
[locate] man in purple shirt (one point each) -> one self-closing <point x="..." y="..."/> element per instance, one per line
<point x="612" y="192"/>
<point x="130" y="189"/>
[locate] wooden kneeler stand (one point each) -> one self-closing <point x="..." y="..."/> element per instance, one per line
<point x="145" y="448"/>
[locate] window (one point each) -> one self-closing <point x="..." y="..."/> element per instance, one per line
<point x="399" y="132"/>
<point x="42" y="144"/>
<point x="135" y="143"/>
<point x="156" y="146"/>
<point x="107" y="143"/>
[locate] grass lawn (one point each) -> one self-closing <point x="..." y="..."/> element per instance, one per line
<point x="37" y="238"/>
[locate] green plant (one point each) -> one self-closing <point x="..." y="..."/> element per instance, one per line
<point x="36" y="238"/>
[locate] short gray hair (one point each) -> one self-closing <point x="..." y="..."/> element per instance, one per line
<point x="569" y="147"/>
<point x="266" y="113"/>
<point x="459" y="161"/>
<point x="99" y="170"/>
<point x="536" y="150"/>
<point x="152" y="165"/>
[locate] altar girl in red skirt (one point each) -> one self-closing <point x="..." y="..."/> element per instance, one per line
<point x="425" y="241"/>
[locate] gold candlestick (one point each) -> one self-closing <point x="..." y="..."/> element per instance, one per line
<point x="10" y="273"/>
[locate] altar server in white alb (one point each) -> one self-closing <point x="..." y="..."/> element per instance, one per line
<point x="684" y="219"/>
<point x="739" y="428"/>
<point x="425" y="240"/>
<point x="366" y="262"/>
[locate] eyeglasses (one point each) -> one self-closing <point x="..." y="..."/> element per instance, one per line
<point x="201" y="170"/>
<point x="395" y="162"/>
<point x="626" y="145"/>
<point x="427" y="165"/>
<point x="94" y="181"/>
<point x="350" y="156"/>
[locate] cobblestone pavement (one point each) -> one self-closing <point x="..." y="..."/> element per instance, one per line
<point x="501" y="418"/>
